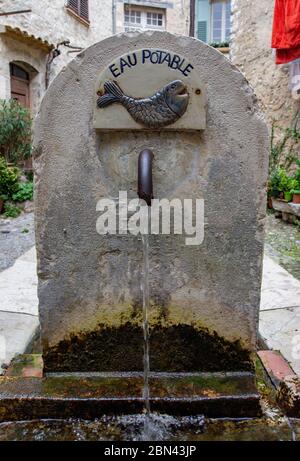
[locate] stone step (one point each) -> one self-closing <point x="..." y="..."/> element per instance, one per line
<point x="91" y="395"/>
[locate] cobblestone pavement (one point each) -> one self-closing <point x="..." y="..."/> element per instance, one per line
<point x="16" y="237"/>
<point x="282" y="244"/>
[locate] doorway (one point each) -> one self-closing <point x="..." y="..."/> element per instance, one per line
<point x="20" y="82"/>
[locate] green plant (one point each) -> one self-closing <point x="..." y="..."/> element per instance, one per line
<point x="15" y="131"/>
<point x="9" y="177"/>
<point x="11" y="210"/>
<point x="285" y="144"/>
<point x="220" y="45"/>
<point x="296" y="174"/>
<point x="284" y="153"/>
<point x="24" y="192"/>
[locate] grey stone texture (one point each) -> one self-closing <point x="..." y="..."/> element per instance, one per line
<point x="204" y="299"/>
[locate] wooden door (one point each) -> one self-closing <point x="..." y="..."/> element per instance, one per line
<point x="20" y="91"/>
<point x="19" y="80"/>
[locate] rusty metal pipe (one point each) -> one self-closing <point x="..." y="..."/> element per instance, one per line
<point x="145" y="183"/>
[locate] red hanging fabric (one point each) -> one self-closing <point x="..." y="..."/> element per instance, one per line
<point x="286" y="30"/>
<point x="285" y="56"/>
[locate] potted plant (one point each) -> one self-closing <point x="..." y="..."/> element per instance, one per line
<point x="292" y="184"/>
<point x="274" y="182"/>
<point x="296" y="195"/>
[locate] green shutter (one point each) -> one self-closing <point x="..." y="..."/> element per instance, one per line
<point x="203" y="19"/>
<point x="202" y="31"/>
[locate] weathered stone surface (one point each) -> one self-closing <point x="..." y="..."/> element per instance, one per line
<point x="91" y="396"/>
<point x="275" y="365"/>
<point x="288" y="395"/>
<point x="251" y="52"/>
<point x="89" y="284"/>
<point x="286" y="207"/>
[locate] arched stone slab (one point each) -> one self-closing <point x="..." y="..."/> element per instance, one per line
<point x="204" y="299"/>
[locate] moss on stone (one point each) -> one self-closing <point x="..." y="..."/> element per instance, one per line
<point x="177" y="348"/>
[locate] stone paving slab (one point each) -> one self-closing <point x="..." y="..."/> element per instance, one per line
<point x="16" y="238"/>
<point x="275" y="365"/>
<point x="18" y="306"/>
<point x="18" y="286"/>
<point x="281" y="330"/>
<point x="16" y="332"/>
<point x="279" y="288"/>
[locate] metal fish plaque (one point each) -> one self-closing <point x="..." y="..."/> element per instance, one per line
<point x="165" y="107"/>
<point x="150" y="89"/>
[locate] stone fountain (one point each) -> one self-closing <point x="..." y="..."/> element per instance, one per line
<point x="209" y="142"/>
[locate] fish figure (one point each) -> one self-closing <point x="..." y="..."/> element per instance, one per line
<point x="163" y="108"/>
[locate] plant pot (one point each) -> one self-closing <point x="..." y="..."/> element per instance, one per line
<point x="269" y="203"/>
<point x="288" y="196"/>
<point x="296" y="197"/>
<point x="1" y="205"/>
<point x="281" y="195"/>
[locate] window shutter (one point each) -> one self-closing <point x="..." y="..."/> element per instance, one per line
<point x="80" y="7"/>
<point x="74" y="5"/>
<point x="203" y="20"/>
<point x="84" y="9"/>
<point x="202" y="31"/>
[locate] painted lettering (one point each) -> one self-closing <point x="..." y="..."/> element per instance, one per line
<point x="187" y="70"/>
<point x="145" y="55"/>
<point x="114" y="70"/>
<point x="173" y="61"/>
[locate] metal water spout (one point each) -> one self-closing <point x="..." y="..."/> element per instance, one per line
<point x="145" y="183"/>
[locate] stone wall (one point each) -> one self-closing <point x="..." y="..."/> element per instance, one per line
<point x="251" y="52"/>
<point x="50" y="22"/>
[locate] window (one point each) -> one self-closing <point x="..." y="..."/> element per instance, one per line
<point x="139" y="19"/>
<point x="80" y="8"/>
<point x="213" y="20"/>
<point x="154" y="19"/>
<point x="19" y="72"/>
<point x="220" y="21"/>
<point x="133" y="17"/>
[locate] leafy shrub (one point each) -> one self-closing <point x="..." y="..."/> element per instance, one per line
<point x="284" y="154"/>
<point x="11" y="210"/>
<point x="24" y="192"/>
<point x="9" y="177"/>
<point x="285" y="143"/>
<point x="281" y="181"/>
<point x="15" y="131"/>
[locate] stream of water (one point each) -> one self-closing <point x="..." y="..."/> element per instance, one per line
<point x="145" y="291"/>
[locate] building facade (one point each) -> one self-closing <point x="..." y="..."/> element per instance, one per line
<point x="250" y="51"/>
<point x="242" y="29"/>
<point x="38" y="38"/>
<point x="170" y="15"/>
